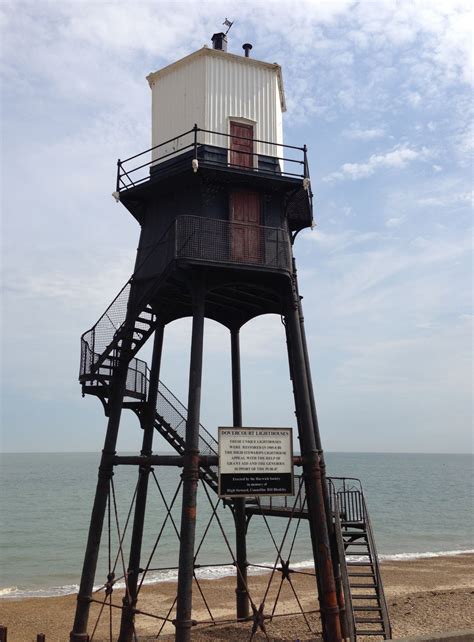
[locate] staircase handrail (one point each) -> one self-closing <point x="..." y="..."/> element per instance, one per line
<point x="106" y="315"/>
<point x="375" y="561"/>
<point x="348" y="611"/>
<point x="208" y="440"/>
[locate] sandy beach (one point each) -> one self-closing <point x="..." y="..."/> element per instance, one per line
<point x="431" y="595"/>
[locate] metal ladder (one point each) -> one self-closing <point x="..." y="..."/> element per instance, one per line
<point x="366" y="606"/>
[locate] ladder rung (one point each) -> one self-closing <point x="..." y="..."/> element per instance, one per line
<point x="364" y="596"/>
<point x="373" y="632"/>
<point x="354" y="533"/>
<point x="367" y="608"/>
<point x="359" y="563"/>
<point x="363" y="586"/>
<point x="361" y="574"/>
<point x="368" y="620"/>
<point x="349" y="543"/>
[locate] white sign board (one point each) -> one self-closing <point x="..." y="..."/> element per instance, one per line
<point x="255" y="461"/>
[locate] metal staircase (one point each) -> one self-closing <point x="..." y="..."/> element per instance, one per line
<point x="363" y="589"/>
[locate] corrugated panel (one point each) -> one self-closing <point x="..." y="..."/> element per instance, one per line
<point x="211" y="91"/>
<point x="235" y="89"/>
<point x="178" y="103"/>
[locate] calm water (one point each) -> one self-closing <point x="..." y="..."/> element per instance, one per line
<point x="419" y="504"/>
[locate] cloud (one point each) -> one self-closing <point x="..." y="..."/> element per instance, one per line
<point x="447" y="199"/>
<point x="397" y="158"/>
<point x="394" y="222"/>
<point x="358" y="133"/>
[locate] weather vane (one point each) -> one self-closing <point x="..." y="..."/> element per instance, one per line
<point x="227" y="23"/>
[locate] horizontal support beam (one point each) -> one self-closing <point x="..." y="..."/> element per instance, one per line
<point x="171" y="460"/>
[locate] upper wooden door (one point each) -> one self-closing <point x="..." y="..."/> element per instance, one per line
<point x="241" y="144"/>
<point x="245" y="231"/>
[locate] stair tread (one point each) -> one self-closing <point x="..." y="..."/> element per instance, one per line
<point x="364" y="596"/>
<point x="364" y="586"/>
<point x="359" y="563"/>
<point x="372" y="632"/>
<point x="367" y="608"/>
<point x="361" y="574"/>
<point x="368" y="620"/>
<point x="358" y="533"/>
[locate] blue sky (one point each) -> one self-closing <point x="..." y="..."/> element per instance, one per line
<point x="380" y="92"/>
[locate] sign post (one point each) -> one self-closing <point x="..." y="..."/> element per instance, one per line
<point x="255" y="461"/>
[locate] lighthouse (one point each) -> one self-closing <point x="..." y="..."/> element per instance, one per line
<point x="219" y="199"/>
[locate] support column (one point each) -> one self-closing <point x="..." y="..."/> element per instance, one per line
<point x="327" y="504"/>
<point x="117" y="390"/>
<point x="190" y="475"/>
<point x="148" y="424"/>
<point x="312" y="473"/>
<point x="242" y="600"/>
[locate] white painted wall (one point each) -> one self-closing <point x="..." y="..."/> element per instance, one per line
<point x="211" y="88"/>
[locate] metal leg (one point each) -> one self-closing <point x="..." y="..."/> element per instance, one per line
<point x="79" y="631"/>
<point x="239" y="504"/>
<point x="190" y="475"/>
<point x="312" y="473"/>
<point x="148" y="425"/>
<point x="317" y="435"/>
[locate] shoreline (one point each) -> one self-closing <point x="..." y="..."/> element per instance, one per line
<point x="8" y="593"/>
<point x="425" y="595"/>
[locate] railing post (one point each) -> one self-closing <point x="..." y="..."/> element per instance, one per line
<point x="93" y="349"/>
<point x="305" y="161"/>
<point x="117" y="184"/>
<point x="195" y="130"/>
<point x="175" y="238"/>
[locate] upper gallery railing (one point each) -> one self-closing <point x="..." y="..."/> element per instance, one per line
<point x="285" y="160"/>
<point x="187" y="238"/>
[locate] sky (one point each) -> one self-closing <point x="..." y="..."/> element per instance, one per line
<point x="381" y="94"/>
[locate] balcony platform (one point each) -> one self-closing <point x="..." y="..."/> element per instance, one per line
<point x="190" y="165"/>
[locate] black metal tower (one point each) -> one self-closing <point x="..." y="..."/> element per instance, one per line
<point x="219" y="211"/>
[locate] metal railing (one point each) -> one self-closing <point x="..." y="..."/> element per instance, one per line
<point x="292" y="503"/>
<point x="284" y="160"/>
<point x="347" y="498"/>
<point x="213" y="240"/>
<point x="187" y="238"/>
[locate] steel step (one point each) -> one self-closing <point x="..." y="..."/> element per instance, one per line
<point x="364" y="586"/>
<point x="367" y="608"/>
<point x="365" y="596"/>
<point x="361" y="574"/>
<point x="349" y="543"/>
<point x="368" y="620"/>
<point x="373" y="632"/>
<point x="359" y="563"/>
<point x="354" y="533"/>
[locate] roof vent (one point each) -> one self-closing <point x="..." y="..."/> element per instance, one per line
<point x="219" y="41"/>
<point x="247" y="47"/>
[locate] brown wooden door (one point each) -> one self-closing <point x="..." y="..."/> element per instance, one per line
<point x="245" y="232"/>
<point x="241" y="145"/>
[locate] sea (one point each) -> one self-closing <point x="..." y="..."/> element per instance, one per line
<point x="420" y="506"/>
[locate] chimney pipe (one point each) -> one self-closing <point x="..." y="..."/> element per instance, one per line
<point x="219" y="41"/>
<point x="247" y="47"/>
